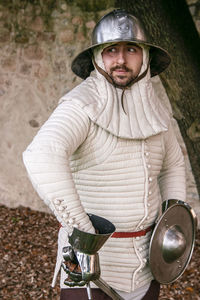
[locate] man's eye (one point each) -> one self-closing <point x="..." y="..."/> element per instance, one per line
<point x="131" y="50"/>
<point x="112" y="50"/>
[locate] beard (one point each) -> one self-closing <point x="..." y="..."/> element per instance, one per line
<point x="122" y="81"/>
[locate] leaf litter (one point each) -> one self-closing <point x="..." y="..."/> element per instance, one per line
<point x="28" y="254"/>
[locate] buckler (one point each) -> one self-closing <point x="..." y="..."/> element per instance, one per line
<point x="172" y="241"/>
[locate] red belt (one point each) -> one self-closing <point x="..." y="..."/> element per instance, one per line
<point x="131" y="234"/>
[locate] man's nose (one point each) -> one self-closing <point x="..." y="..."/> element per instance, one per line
<point x="121" y="57"/>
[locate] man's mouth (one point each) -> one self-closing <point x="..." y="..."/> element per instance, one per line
<point x="120" y="70"/>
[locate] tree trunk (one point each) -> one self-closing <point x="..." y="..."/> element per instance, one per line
<point x="170" y="25"/>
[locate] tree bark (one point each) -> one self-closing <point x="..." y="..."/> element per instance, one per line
<point x="170" y="25"/>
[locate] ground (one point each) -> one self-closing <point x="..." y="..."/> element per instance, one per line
<point x="28" y="254"/>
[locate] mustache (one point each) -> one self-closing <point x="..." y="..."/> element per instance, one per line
<point x="120" y="67"/>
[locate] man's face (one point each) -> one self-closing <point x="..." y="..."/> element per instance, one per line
<point x="122" y="62"/>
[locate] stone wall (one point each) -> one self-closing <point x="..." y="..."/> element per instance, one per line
<point x="38" y="40"/>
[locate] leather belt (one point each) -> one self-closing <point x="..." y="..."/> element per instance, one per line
<point x="128" y="234"/>
<point x="132" y="234"/>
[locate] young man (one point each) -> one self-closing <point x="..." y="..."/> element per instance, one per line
<point x="109" y="149"/>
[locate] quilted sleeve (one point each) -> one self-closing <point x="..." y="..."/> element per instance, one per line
<point x="172" y="177"/>
<point x="47" y="162"/>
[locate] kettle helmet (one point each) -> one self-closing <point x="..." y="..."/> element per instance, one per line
<point x="119" y="26"/>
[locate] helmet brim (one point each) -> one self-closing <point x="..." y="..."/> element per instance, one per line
<point x="82" y="64"/>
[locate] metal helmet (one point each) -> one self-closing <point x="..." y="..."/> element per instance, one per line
<point x="172" y="242"/>
<point x="119" y="26"/>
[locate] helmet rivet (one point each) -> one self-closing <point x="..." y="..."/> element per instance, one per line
<point x="119" y="27"/>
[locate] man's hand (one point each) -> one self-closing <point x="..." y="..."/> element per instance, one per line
<point x="80" y="267"/>
<point x="71" y="267"/>
<point x="74" y="274"/>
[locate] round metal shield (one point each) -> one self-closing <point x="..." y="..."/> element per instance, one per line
<point x="172" y="243"/>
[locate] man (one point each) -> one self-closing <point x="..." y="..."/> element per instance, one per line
<point x="105" y="149"/>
